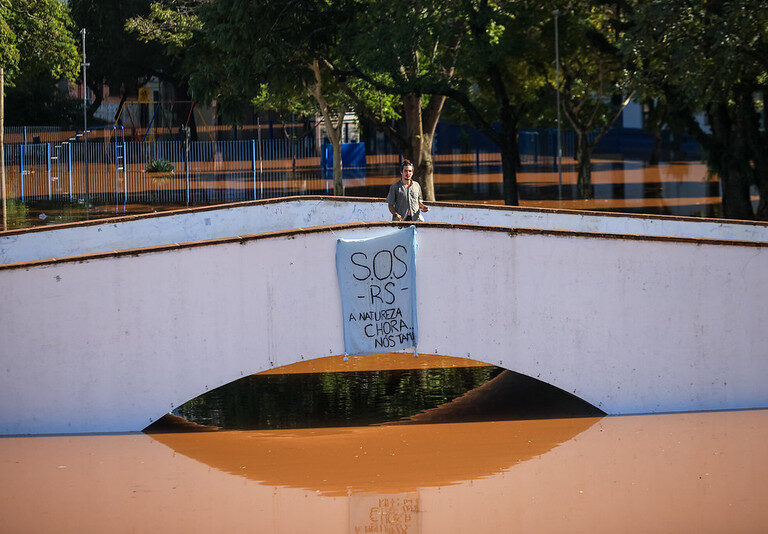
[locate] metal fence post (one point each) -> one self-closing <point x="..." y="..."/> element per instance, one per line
<point x="69" y="171"/>
<point x="21" y="168"/>
<point x="186" y="160"/>
<point x="253" y="165"/>
<point x="261" y="162"/>
<point x="125" y="172"/>
<point x="117" y="175"/>
<point x="48" y="166"/>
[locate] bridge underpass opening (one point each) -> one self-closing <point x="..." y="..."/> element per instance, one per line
<point x="381" y="389"/>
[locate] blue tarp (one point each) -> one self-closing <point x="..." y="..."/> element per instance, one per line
<point x="352" y="155"/>
<point x="377" y="283"/>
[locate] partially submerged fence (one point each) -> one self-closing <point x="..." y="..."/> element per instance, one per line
<point x="32" y="134"/>
<point x="198" y="171"/>
<point x="113" y="170"/>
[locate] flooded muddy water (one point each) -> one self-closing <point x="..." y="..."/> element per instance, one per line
<point x="696" y="472"/>
<point x="670" y="188"/>
<point x="387" y="388"/>
<point x="405" y="445"/>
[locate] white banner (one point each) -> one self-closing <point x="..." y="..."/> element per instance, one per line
<point x="377" y="282"/>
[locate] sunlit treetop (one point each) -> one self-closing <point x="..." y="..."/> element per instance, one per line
<point x="37" y="33"/>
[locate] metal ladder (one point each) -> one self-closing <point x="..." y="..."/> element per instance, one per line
<point x="120" y="163"/>
<point x="54" y="169"/>
<point x="119" y="148"/>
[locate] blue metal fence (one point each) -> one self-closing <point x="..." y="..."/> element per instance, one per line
<point x="203" y="171"/>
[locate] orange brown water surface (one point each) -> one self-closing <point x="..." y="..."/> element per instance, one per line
<point x="374" y="362"/>
<point x="696" y="472"/>
<point x="670" y="188"/>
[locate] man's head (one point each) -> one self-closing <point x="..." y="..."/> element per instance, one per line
<point x="406" y="171"/>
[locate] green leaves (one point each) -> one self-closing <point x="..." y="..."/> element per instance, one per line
<point x="704" y="49"/>
<point x="173" y="24"/>
<point x="9" y="51"/>
<point x="37" y="33"/>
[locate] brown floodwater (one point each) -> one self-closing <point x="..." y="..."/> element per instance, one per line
<point x="670" y="188"/>
<point x="695" y="472"/>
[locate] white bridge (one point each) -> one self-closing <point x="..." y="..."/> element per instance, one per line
<point x="106" y="326"/>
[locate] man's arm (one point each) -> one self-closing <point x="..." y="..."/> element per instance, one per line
<point x="423" y="207"/>
<point x="391" y="204"/>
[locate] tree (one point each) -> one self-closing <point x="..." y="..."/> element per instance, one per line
<point x="407" y="49"/>
<point x="267" y="63"/>
<point x="234" y="67"/>
<point x="345" y="37"/>
<point x="594" y="79"/>
<point x="497" y="83"/>
<point x="333" y="117"/>
<point x="120" y="59"/>
<point x="279" y="59"/>
<point x="32" y="33"/>
<point x="35" y="98"/>
<point x="712" y="57"/>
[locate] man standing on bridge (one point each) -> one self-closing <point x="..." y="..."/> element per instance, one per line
<point x="405" y="200"/>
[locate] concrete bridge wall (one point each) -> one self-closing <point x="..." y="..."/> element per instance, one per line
<point x="300" y="212"/>
<point x="629" y="324"/>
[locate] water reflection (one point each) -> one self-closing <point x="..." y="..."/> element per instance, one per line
<point x="330" y="399"/>
<point x="389" y="459"/>
<point x="703" y="472"/>
<point x="379" y="389"/>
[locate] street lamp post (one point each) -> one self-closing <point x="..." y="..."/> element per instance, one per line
<point x="556" y="13"/>
<point x="85" y="125"/>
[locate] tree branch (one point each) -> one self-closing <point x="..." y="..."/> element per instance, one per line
<point x="610" y="123"/>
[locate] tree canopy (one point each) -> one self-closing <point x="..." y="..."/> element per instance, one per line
<point x="595" y="81"/>
<point x="396" y="63"/>
<point x="37" y="33"/>
<point x="712" y="57"/>
<point x="33" y="33"/>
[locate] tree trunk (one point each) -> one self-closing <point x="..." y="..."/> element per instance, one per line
<point x="506" y="140"/>
<point x="654" y="124"/>
<point x="3" y="193"/>
<point x="762" y="186"/>
<point x="333" y="131"/>
<point x="760" y="152"/>
<point x="338" y="171"/>
<point x="413" y="132"/>
<point x="735" y="194"/>
<point x="212" y="129"/>
<point x="334" y="134"/>
<point x="656" y="147"/>
<point x="752" y="119"/>
<point x="427" y="168"/>
<point x="98" y="98"/>
<point x="584" y="187"/>
<point x="419" y="148"/>
<point x="118" y="119"/>
<point x="510" y="154"/>
<point x="761" y="178"/>
<point x="729" y="156"/>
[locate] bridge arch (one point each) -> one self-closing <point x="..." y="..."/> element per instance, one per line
<point x="108" y="342"/>
<point x="495" y="393"/>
